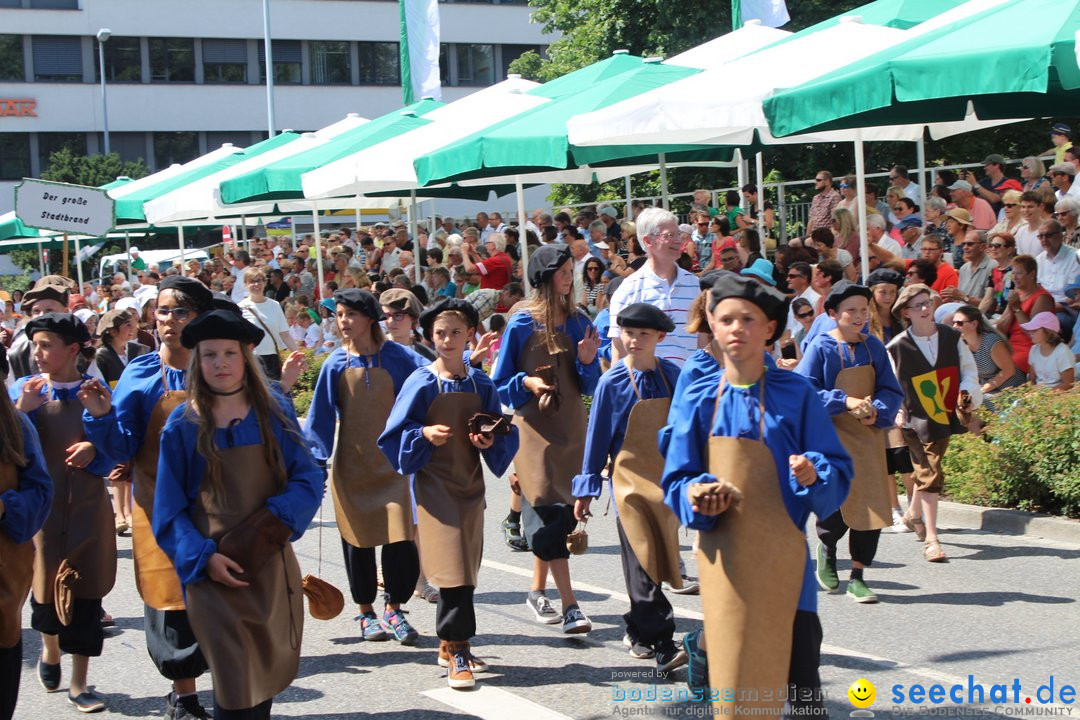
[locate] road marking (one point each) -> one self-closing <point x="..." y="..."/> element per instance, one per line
<point x="491" y="703"/>
<point x="886" y="663"/>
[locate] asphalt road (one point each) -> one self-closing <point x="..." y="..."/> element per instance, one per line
<point x="1003" y="609"/>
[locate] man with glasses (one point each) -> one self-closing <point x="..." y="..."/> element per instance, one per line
<point x="660" y="282"/>
<point x="798" y="279"/>
<point x="824" y="202"/>
<point x="1063" y="178"/>
<point x="1058" y="267"/>
<point x="898" y="177"/>
<point x="994" y="184"/>
<point x="974" y="274"/>
<point x="932" y="251"/>
<point x="703" y="239"/>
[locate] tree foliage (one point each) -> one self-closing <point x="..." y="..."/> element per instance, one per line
<point x="592" y="29"/>
<point x="93" y="170"/>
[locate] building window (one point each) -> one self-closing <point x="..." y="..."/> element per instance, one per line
<point x="475" y="64"/>
<point x="48" y="143"/>
<point x="330" y="63"/>
<point x="58" y="58"/>
<point x="123" y="60"/>
<point x="14" y="156"/>
<point x="288" y="67"/>
<point x="224" y="61"/>
<point x="172" y="60"/>
<point x="175" y="147"/>
<point x="380" y="63"/>
<point x="12" y="67"/>
<point x="130" y="146"/>
<point x="55" y="4"/>
<point x="240" y="139"/>
<point x="510" y="53"/>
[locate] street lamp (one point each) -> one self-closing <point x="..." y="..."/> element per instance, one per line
<point x="102" y="35"/>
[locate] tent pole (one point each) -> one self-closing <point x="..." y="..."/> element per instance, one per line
<point x="920" y="160"/>
<point x="629" y="214"/>
<point x="127" y="251"/>
<point x="243" y="233"/>
<point x="414" y="235"/>
<point x="742" y="177"/>
<point x="180" y="229"/>
<point x="663" y="182"/>
<point x="519" y="190"/>
<point x="318" y="248"/>
<point x="357" y="220"/>
<point x="41" y="258"/>
<point x="759" y="163"/>
<point x="860" y="203"/>
<point x="64" y="265"/>
<point x="433" y="228"/>
<point x="78" y="263"/>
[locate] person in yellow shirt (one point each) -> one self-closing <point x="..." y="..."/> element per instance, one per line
<point x="1061" y="136"/>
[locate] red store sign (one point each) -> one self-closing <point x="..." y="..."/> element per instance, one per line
<point x="18" y="107"/>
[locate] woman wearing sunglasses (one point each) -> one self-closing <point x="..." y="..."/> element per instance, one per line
<point x="1002" y="249"/>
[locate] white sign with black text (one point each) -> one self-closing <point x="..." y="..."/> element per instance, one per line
<point x="61" y="207"/>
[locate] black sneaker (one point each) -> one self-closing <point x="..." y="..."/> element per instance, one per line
<point x="48" y="675"/>
<point x="669" y="656"/>
<point x="87" y="702"/>
<point x="188" y="706"/>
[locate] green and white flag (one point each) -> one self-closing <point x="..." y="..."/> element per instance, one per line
<point x="420" y="50"/>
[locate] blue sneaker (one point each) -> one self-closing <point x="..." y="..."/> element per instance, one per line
<point x="371" y="628"/>
<point x="697" y="665"/>
<point x="394" y="622"/>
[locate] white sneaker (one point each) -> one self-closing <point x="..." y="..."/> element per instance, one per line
<point x="898" y="525"/>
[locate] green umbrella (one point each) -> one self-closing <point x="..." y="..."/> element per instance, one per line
<point x="129" y="208"/>
<point x="1016" y="59"/>
<point x="281" y="180"/>
<point x="12" y="228"/>
<point x="536" y="141"/>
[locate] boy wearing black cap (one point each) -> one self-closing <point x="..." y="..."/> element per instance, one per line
<point x="75" y="551"/>
<point x="855" y="381"/>
<point x="629" y="407"/>
<point x="749" y="458"/>
<point x="431" y="432"/>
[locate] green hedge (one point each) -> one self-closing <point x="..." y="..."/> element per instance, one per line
<point x="1029" y="459"/>
<point x="304" y="389"/>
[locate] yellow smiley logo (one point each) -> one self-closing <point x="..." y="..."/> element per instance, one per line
<point x="862" y="693"/>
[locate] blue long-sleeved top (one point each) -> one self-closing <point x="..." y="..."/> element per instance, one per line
<point x="121" y="432"/>
<point x="180" y="475"/>
<point x="403" y="440"/>
<point x="602" y="323"/>
<point x="27" y="505"/>
<point x="322" y="416"/>
<point x="507" y="374"/>
<point x="103" y="461"/>
<point x="795" y="424"/>
<point x="610" y="414"/>
<point x="820" y="364"/>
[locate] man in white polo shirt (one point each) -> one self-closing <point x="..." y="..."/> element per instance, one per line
<point x="659" y="282"/>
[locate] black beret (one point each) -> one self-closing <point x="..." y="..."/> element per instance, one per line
<point x="771" y="301"/>
<point x="705" y="282"/>
<point x="885" y="275"/>
<point x="427" y="318"/>
<point x="645" y="316"/>
<point x="842" y="290"/>
<point x="66" y="325"/>
<point x="544" y="261"/>
<point x="199" y="293"/>
<point x="361" y="301"/>
<point x="221" y="301"/>
<point x="219" y="325"/>
<point x="613" y="285"/>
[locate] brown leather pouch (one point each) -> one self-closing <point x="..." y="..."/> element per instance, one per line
<point x="63" y="591"/>
<point x="325" y="602"/>
<point x="549" y="401"/>
<point x="254" y="541"/>
<point x="483" y="423"/>
<point x="577" y="542"/>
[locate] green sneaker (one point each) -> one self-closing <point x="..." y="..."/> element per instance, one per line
<point x="826" y="571"/>
<point x="859" y="592"/>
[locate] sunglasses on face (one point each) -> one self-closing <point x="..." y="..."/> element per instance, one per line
<point x="1043" y="236"/>
<point x="805" y="315"/>
<point x="180" y="313"/>
<point x="997" y="246"/>
<point x="795" y="276"/>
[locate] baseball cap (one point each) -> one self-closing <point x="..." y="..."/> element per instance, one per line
<point x="994" y="159"/>
<point x="961" y="185"/>
<point x="1061" y="129"/>
<point x="909" y="222"/>
<point x="1045" y="321"/>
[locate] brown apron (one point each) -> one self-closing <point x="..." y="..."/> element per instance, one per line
<point x="450" y="496"/>
<point x="80" y="526"/>
<point x="155" y="576"/>
<point x="551" y="446"/>
<point x="867" y="506"/>
<point x="16" y="572"/>
<point x="751" y="566"/>
<point x="250" y="636"/>
<point x="372" y="501"/>
<point x="649" y="524"/>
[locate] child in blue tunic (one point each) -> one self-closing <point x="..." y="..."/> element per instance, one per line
<point x="638" y="376"/>
<point x="25" y="499"/>
<point x="828" y="354"/>
<point x="429" y="434"/>
<point x="756" y="403"/>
